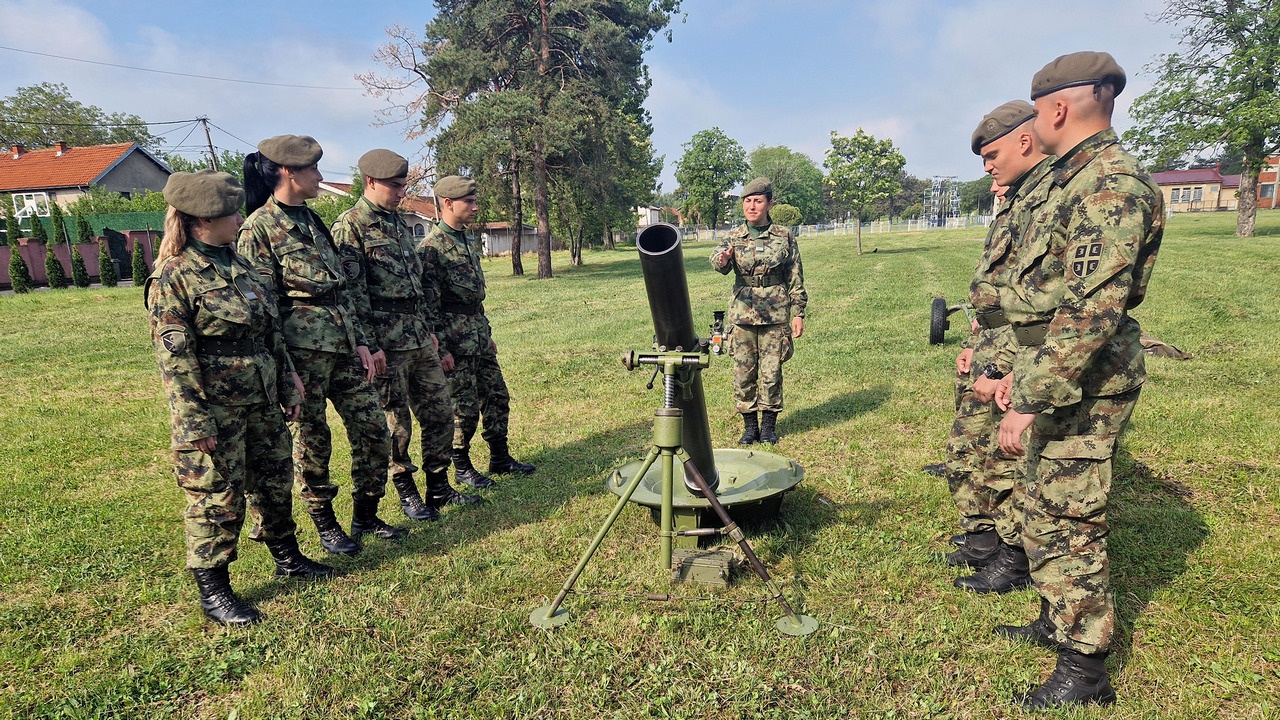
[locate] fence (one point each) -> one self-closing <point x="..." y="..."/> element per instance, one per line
<point x="692" y="234"/>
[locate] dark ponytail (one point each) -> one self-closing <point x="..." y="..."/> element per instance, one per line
<point x="260" y="179"/>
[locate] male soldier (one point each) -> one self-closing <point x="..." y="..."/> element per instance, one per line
<point x="453" y="261"/>
<point x="1083" y="265"/>
<point x="986" y="484"/>
<point x="766" y="312"/>
<point x="399" y="308"/>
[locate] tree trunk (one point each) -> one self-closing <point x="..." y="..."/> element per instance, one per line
<point x="517" y="213"/>
<point x="541" y="209"/>
<point x="1247" y="215"/>
<point x="607" y="240"/>
<point x="575" y="254"/>
<point x="859" y="222"/>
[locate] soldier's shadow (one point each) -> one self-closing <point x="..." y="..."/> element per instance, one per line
<point x="1154" y="530"/>
<point x="835" y="409"/>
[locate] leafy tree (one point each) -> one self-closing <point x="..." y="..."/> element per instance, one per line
<point x="797" y="179"/>
<point x="79" y="273"/>
<point x="139" y="265"/>
<point x="784" y="214"/>
<point x="329" y="207"/>
<point x="11" y="229"/>
<point x="99" y="201"/>
<point x="19" y="273"/>
<point x="59" y="224"/>
<point x="229" y="161"/>
<point x="84" y="233"/>
<point x="106" y="266"/>
<point x="1222" y="90"/>
<point x="863" y="171"/>
<point x="908" y="201"/>
<point x="56" y="276"/>
<point x="712" y="165"/>
<point x="975" y="195"/>
<point x="59" y="117"/>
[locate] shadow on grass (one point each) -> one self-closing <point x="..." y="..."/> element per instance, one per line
<point x="833" y="410"/>
<point x="1154" y="530"/>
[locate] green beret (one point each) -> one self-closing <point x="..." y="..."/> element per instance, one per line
<point x="759" y="186"/>
<point x="1081" y="68"/>
<point x="204" y="194"/>
<point x="382" y="165"/>
<point x="1000" y="122"/>
<point x="295" y="151"/>
<point x="454" y="187"/>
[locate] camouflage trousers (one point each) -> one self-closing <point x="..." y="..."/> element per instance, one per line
<point x="249" y="467"/>
<point x="1065" y="535"/>
<point x="340" y="378"/>
<point x="478" y="390"/>
<point x="758" y="352"/>
<point x="414" y="386"/>
<point x="985" y="484"/>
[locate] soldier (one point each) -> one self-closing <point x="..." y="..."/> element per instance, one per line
<point x="227" y="376"/>
<point x="336" y="359"/>
<point x="766" y="312"/>
<point x="476" y="385"/>
<point x="400" y="310"/>
<point x="1083" y="266"/>
<point x="986" y="484"/>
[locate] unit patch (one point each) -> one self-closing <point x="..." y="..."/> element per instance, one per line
<point x="174" y="339"/>
<point x="351" y="267"/>
<point x="1086" y="259"/>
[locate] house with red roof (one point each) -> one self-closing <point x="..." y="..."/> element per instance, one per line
<point x="1209" y="189"/>
<point x="64" y="173"/>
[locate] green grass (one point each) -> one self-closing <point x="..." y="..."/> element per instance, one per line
<point x="98" y="619"/>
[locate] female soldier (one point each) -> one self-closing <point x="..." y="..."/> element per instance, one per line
<point x="766" y="312"/>
<point x="227" y="376"/>
<point x="293" y="250"/>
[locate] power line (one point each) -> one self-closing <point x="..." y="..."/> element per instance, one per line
<point x="58" y="124"/>
<point x="170" y="72"/>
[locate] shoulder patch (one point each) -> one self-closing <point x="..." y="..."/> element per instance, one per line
<point x="351" y="267"/>
<point x="174" y="338"/>
<point x="1086" y="259"/>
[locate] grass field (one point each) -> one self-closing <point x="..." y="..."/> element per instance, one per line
<point x="98" y="619"/>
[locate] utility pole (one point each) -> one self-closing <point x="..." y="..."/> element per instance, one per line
<point x="213" y="157"/>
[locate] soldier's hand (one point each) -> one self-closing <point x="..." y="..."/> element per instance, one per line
<point x="985" y="388"/>
<point x="964" y="361"/>
<point x="297" y="384"/>
<point x="446" y="362"/>
<point x="1011" y="429"/>
<point x="797" y="327"/>
<point x="206" y="445"/>
<point x="292" y="412"/>
<point x="1004" y="390"/>
<point x="379" y="362"/>
<point x="366" y="362"/>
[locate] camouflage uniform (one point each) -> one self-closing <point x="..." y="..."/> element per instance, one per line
<point x="322" y="329"/>
<point x="768" y="291"/>
<point x="1085" y="262"/>
<point x="985" y="483"/>
<point x="401" y="311"/>
<point x="452" y="262"/>
<point x="226" y="373"/>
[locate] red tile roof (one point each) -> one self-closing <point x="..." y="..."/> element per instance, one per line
<point x="46" y="169"/>
<point x="422" y="205"/>
<point x="1230" y="181"/>
<point x="1178" y="177"/>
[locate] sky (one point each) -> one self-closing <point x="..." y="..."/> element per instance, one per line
<point x="766" y="72"/>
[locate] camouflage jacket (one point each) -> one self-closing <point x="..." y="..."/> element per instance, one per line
<point x="396" y="303"/>
<point x="1084" y="263"/>
<point x="192" y="303"/>
<point x="453" y="268"/>
<point x="768" y="287"/>
<point x="311" y="281"/>
<point x="990" y="286"/>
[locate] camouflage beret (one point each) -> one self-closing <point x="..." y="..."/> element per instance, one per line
<point x="204" y="194"/>
<point x="454" y="187"/>
<point x="1081" y="68"/>
<point x="759" y="186"/>
<point x="295" y="151"/>
<point x="383" y="164"/>
<point x="1000" y="122"/>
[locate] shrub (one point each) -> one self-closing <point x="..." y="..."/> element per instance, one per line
<point x="787" y="215"/>
<point x="106" y="266"/>
<point x="139" y="265"/>
<point x="19" y="275"/>
<point x="11" y="229"/>
<point x="59" y="223"/>
<point x="53" y="268"/>
<point x="79" y="273"/>
<point x="38" y="232"/>
<point x="84" y="233"/>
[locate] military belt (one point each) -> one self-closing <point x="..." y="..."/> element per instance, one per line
<point x="328" y="298"/>
<point x="1032" y="334"/>
<point x="462" y="308"/>
<point x="213" y="345"/>
<point x="992" y="319"/>
<point x="394" y="305"/>
<point x="758" y="281"/>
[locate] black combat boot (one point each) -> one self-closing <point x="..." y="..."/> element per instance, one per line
<point x="939" y="469"/>
<point x="1009" y="571"/>
<point x="751" y="429"/>
<point x="364" y="519"/>
<point x="769" y="427"/>
<point x="290" y="562"/>
<point x="220" y="604"/>
<point x="441" y="493"/>
<point x="332" y="538"/>
<point x="410" y="501"/>
<point x="978" y="551"/>
<point x="467" y="473"/>
<point x="1078" y="679"/>
<point x="501" y="462"/>
<point x="1039" y="631"/>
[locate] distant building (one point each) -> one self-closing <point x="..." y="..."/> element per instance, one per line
<point x="648" y="215"/>
<point x="418" y="211"/>
<point x="1267" y="182"/>
<point x="1208" y="189"/>
<point x="63" y="173"/>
